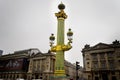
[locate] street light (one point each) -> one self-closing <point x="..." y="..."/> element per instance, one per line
<point x="77" y="68"/>
<point x="60" y="46"/>
<point x="63" y="46"/>
<point x="70" y="35"/>
<point x="52" y="38"/>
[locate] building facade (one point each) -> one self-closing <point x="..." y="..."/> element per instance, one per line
<point x="14" y="66"/>
<point x="71" y="70"/>
<point x="41" y="66"/>
<point x="102" y="61"/>
<point x="32" y="64"/>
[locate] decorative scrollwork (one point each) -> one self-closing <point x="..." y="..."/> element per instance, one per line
<point x="61" y="14"/>
<point x="61" y="48"/>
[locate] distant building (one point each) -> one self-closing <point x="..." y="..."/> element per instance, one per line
<point x="13" y="66"/>
<point x="71" y="70"/>
<point x="41" y="66"/>
<point x="32" y="64"/>
<point x="102" y="61"/>
<point x="1" y="52"/>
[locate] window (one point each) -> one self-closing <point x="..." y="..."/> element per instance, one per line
<point x="110" y="55"/>
<point x="114" y="78"/>
<point x="95" y="65"/>
<point x="89" y="77"/>
<point x="87" y="57"/>
<point x="103" y="65"/>
<point x="88" y="65"/>
<point x="113" y="73"/>
<point x="111" y="64"/>
<point x="96" y="73"/>
<point x="94" y="57"/>
<point x="102" y="56"/>
<point x="17" y="76"/>
<point x="96" y="78"/>
<point x="119" y="62"/>
<point x="118" y="54"/>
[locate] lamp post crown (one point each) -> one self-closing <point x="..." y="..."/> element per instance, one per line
<point x="61" y="13"/>
<point x="61" y="6"/>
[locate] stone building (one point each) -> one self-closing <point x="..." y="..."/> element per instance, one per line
<point x="41" y="66"/>
<point x="71" y="70"/>
<point x="102" y="61"/>
<point x="13" y="66"/>
<point x="32" y="64"/>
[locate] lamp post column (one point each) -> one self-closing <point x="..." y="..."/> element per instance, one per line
<point x="59" y="63"/>
<point x="60" y="48"/>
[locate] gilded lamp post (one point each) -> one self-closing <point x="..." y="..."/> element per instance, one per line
<point x="60" y="48"/>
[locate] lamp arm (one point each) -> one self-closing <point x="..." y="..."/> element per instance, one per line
<point x="61" y="47"/>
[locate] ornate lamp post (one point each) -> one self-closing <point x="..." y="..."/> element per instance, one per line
<point x="60" y="48"/>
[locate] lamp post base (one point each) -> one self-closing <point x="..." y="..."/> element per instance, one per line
<point x="59" y="78"/>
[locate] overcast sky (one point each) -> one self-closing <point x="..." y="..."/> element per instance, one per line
<point x="28" y="24"/>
